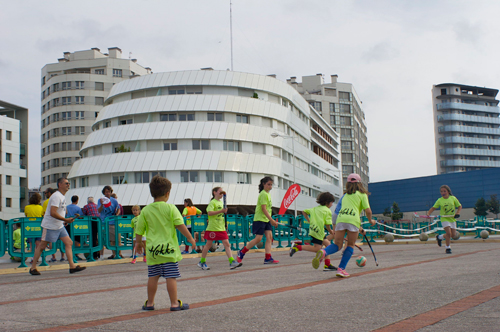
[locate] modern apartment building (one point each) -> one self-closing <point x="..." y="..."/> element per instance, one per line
<point x="73" y="93"/>
<point x="13" y="160"/>
<point x="208" y="128"/>
<point x="339" y="104"/>
<point x="466" y="127"/>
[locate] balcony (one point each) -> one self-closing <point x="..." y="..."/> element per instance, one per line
<point x="470" y="163"/>
<point x="469" y="152"/>
<point x="468" y="107"/>
<point x="469" y="118"/>
<point x="22" y="149"/>
<point x="469" y="140"/>
<point x="469" y="129"/>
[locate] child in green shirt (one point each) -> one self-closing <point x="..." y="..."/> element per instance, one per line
<point x="136" y="211"/>
<point x="160" y="221"/>
<point x="320" y="217"/>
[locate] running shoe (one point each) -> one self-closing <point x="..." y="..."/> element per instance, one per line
<point x="203" y="266"/>
<point x="342" y="273"/>
<point x="320" y="255"/>
<point x="271" y="261"/>
<point x="330" y="268"/>
<point x="438" y="240"/>
<point x="293" y="249"/>
<point x="144" y="259"/>
<point x="185" y="252"/>
<point x="133" y="261"/>
<point x="234" y="265"/>
<point x="448" y="251"/>
<point x="239" y="256"/>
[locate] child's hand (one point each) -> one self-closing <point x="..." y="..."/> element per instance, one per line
<point x="362" y="231"/>
<point x="373" y="222"/>
<point x="224" y="210"/>
<point x="193" y="244"/>
<point x="138" y="247"/>
<point x="274" y="223"/>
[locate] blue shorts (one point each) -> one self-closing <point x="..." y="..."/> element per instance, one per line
<point x="52" y="235"/>
<point x="165" y="270"/>
<point x="259" y="227"/>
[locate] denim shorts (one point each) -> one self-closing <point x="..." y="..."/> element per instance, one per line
<point x="52" y="235"/>
<point x="165" y="270"/>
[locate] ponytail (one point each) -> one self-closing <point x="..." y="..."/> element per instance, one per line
<point x="263" y="181"/>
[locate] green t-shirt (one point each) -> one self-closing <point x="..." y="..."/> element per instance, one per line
<point x="264" y="199"/>
<point x="447" y="207"/>
<point x="216" y="223"/>
<point x="352" y="205"/>
<point x="16" y="237"/>
<point x="133" y="224"/>
<point x="158" y="221"/>
<point x="188" y="212"/>
<point x="319" y="216"/>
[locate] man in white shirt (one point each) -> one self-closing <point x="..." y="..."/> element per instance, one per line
<point x="53" y="227"/>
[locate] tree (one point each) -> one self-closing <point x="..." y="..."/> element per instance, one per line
<point x="387" y="212"/>
<point x="493" y="205"/>
<point x="255" y="95"/>
<point x="396" y="214"/>
<point x="481" y="209"/>
<point x="122" y="148"/>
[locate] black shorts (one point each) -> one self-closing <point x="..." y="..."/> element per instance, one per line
<point x="259" y="227"/>
<point x="316" y="241"/>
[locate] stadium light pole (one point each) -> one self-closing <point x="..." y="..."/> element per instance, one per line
<point x="274" y="135"/>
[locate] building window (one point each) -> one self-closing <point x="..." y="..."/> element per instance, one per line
<point x="66" y="131"/>
<point x="99" y="71"/>
<point x="8" y="202"/>
<point x="316" y="105"/>
<point x="118" y="178"/>
<point x="243" y="178"/>
<point x="107" y="124"/>
<point x="162" y="174"/>
<point x="215" y="176"/>
<point x="176" y="90"/>
<point x="347" y="157"/>
<point x="242" y="118"/>
<point x="79" y="115"/>
<point x="84" y="182"/>
<point x="55" y="87"/>
<point x="232" y="146"/>
<point x="125" y="122"/>
<point x="79" y="85"/>
<point x="345" y="121"/>
<point x="55" y="102"/>
<point x="79" y="130"/>
<point x="346" y="133"/>
<point x="8" y="157"/>
<point x="191" y="176"/>
<point x="55" y="147"/>
<point x="332" y="108"/>
<point x="345" y="108"/>
<point x="66" y="115"/>
<point x="168" y="117"/>
<point x="169" y="146"/>
<point x="66" y="85"/>
<point x="344" y="96"/>
<point x="332" y="120"/>
<point x="186" y="117"/>
<point x="346" y="145"/>
<point x="79" y="100"/>
<point x="66" y="100"/>
<point x="117" y="73"/>
<point x="99" y="100"/>
<point x="141" y="177"/>
<point x="99" y="86"/>
<point x="215" y="117"/>
<point x="8" y="179"/>
<point x="201" y="144"/>
<point x="8" y="135"/>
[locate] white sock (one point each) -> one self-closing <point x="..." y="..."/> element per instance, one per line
<point x="448" y="247"/>
<point x="441" y="237"/>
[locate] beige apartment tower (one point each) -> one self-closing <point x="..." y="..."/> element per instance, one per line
<point x="339" y="104"/>
<point x="73" y="93"/>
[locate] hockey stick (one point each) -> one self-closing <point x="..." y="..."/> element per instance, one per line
<point x="432" y="216"/>
<point x="224" y="197"/>
<point x="366" y="239"/>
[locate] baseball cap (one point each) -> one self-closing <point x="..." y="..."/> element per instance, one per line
<point x="353" y="178"/>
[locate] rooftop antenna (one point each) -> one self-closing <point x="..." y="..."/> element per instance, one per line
<point x="231" y="29"/>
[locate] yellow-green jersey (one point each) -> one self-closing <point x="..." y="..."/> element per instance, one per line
<point x="447" y="207"/>
<point x="133" y="224"/>
<point x="158" y="221"/>
<point x="216" y="223"/>
<point x="188" y="212"/>
<point x="264" y="199"/>
<point x="16" y="237"/>
<point x="319" y="216"/>
<point x="352" y="205"/>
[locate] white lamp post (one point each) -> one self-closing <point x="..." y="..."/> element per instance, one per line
<point x="274" y="135"/>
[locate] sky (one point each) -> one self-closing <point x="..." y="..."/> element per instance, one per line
<point x="392" y="51"/>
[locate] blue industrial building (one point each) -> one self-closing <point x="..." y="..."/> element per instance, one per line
<point x="419" y="194"/>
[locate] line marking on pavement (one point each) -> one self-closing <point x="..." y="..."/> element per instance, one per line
<point x="436" y="315"/>
<point x="147" y="314"/>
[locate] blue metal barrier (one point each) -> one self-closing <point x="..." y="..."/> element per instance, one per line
<point x="82" y="227"/>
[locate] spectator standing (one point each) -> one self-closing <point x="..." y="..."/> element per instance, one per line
<point x="34" y="210"/>
<point x="107" y="207"/>
<point x="48" y="192"/>
<point x="73" y="210"/>
<point x="91" y="210"/>
<point x="119" y="212"/>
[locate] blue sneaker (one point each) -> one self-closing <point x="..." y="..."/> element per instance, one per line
<point x="239" y="256"/>
<point x="184" y="252"/>
<point x="271" y="261"/>
<point x="203" y="266"/>
<point x="438" y="240"/>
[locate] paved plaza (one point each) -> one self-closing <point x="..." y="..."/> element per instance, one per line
<point x="416" y="287"/>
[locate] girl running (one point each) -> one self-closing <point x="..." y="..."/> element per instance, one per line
<point x="190" y="210"/>
<point x="353" y="202"/>
<point x="262" y="222"/>
<point x="447" y="205"/>
<point x="216" y="230"/>
<point x="321" y="217"/>
<point x="136" y="211"/>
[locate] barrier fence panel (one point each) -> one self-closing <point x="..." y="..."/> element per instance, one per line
<point x="282" y="233"/>
<point x="198" y="225"/>
<point x="302" y="235"/>
<point x="122" y="236"/>
<point x="3" y="238"/>
<point x="234" y="230"/>
<point x="82" y="230"/>
<point x="30" y="229"/>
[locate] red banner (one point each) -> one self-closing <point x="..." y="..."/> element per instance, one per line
<point x="290" y="196"/>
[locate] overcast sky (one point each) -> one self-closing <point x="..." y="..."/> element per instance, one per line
<point x="392" y="51"/>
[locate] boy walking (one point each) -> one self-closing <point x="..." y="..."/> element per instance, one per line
<point x="160" y="220"/>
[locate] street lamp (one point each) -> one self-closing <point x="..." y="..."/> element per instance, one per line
<point x="274" y="135"/>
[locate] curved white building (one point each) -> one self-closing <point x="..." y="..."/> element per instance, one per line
<point x="207" y="128"/>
